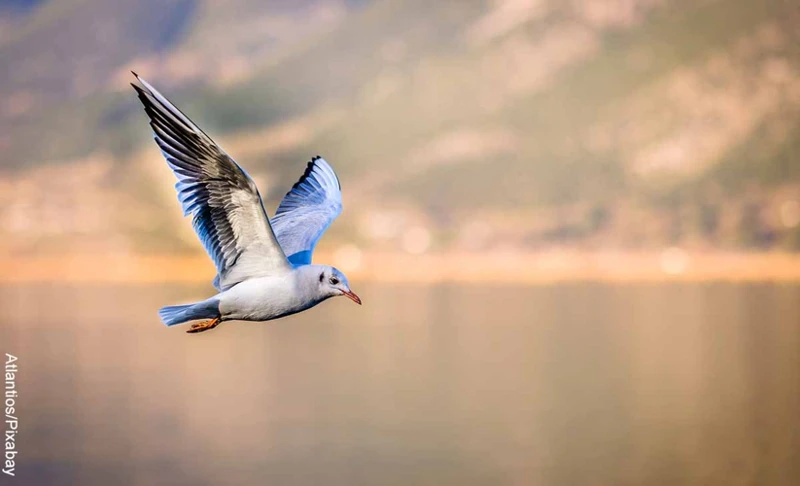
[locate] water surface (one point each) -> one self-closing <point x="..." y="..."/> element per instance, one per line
<point x="463" y="385"/>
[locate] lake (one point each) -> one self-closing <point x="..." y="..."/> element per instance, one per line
<point x="572" y="384"/>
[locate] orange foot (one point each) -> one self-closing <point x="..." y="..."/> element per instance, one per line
<point x="204" y="326"/>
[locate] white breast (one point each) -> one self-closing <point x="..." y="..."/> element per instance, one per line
<point x="265" y="298"/>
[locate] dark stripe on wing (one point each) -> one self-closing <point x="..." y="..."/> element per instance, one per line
<point x="224" y="202"/>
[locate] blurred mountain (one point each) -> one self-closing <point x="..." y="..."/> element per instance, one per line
<point x="479" y="124"/>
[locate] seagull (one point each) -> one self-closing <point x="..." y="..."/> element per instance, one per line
<point x="264" y="268"/>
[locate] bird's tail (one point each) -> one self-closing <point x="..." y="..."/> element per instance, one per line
<point x="178" y="314"/>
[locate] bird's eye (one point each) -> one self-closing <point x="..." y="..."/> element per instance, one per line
<point x="321" y="277"/>
<point x="333" y="280"/>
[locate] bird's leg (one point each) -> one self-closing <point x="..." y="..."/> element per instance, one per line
<point x="205" y="326"/>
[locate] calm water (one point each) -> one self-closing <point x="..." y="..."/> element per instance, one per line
<point x="565" y="385"/>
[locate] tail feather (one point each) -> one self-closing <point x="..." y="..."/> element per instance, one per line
<point x="173" y="314"/>
<point x="178" y="314"/>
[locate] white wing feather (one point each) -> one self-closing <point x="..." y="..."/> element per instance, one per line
<point x="307" y="210"/>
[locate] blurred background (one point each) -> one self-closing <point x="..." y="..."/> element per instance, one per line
<point x="575" y="226"/>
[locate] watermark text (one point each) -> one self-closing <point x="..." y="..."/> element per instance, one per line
<point x="12" y="422"/>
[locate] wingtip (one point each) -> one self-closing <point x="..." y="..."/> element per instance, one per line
<point x="139" y="90"/>
<point x="136" y="86"/>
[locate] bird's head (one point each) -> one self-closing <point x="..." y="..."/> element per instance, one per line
<point x="333" y="283"/>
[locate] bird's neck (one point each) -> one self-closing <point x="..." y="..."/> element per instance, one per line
<point x="307" y="282"/>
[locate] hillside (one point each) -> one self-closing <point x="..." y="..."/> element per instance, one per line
<point x="517" y="123"/>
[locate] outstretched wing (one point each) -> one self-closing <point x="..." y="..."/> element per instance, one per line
<point x="307" y="210"/>
<point x="226" y="208"/>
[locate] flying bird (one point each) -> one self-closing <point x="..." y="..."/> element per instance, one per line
<point x="264" y="268"/>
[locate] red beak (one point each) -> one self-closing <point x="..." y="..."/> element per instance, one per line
<point x="352" y="296"/>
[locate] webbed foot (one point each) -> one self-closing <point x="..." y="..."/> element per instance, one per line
<point x="204" y="326"/>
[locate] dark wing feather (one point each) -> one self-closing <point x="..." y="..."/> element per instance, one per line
<point x="226" y="208"/>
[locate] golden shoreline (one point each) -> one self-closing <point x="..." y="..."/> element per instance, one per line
<point x="545" y="267"/>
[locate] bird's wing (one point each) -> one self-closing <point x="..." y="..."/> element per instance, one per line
<point x="307" y="210"/>
<point x="226" y="208"/>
